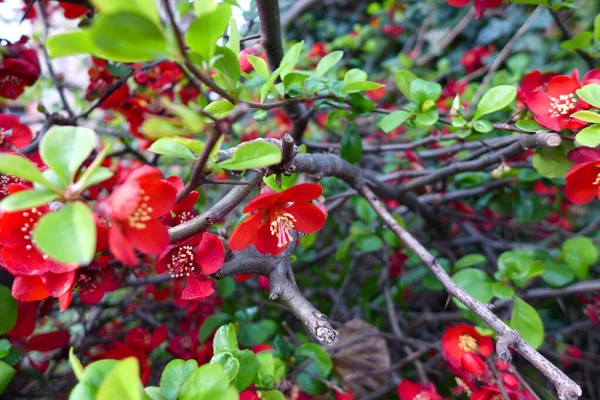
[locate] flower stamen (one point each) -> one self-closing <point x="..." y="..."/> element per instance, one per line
<point x="468" y="343"/>
<point x="281" y="226"/>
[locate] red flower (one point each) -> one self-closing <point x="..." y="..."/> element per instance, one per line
<point x="532" y="82"/>
<point x="374" y="95"/>
<point x="393" y="31"/>
<point x="480" y="5"/>
<point x="554" y="104"/>
<point x="408" y="390"/>
<point x="19" y="68"/>
<point x="245" y="64"/>
<point x="348" y="395"/>
<point x="195" y="258"/>
<point x="19" y="136"/>
<point x="473" y="364"/>
<point x="273" y="215"/>
<point x="462" y="339"/>
<point x="583" y="182"/>
<point x="48" y="341"/>
<point x="318" y="50"/>
<point x="472" y="60"/>
<point x="134" y="208"/>
<point x="492" y="393"/>
<point x="184" y="210"/>
<point x="73" y="11"/>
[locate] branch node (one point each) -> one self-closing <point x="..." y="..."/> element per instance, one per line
<point x="323" y="332"/>
<point x="508" y="339"/>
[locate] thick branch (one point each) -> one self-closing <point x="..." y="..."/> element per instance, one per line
<point x="566" y="388"/>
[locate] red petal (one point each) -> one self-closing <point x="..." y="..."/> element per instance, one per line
<point x="176" y="181"/>
<point x="592" y="76"/>
<point x="145" y="173"/>
<point x="549" y="122"/>
<point x="309" y="218"/>
<point x="302" y="193"/>
<point x="65" y="300"/>
<point x="210" y="254"/>
<point x="7" y="122"/>
<point x="197" y="289"/>
<point x="29" y="288"/>
<point x="124" y="200"/>
<point x="153" y="239"/>
<point x="59" y="284"/>
<point x="562" y="84"/>
<point x="261" y="202"/>
<point x="539" y="103"/>
<point x="243" y="277"/>
<point x="408" y="390"/>
<point x="49" y="341"/>
<point x="584" y="154"/>
<point x="472" y="363"/>
<point x="121" y="247"/>
<point x="161" y="197"/>
<point x="20" y="137"/>
<point x="159" y="335"/>
<point x="188" y="202"/>
<point x="580" y="188"/>
<point x="266" y="243"/>
<point x="20" y="261"/>
<point x="458" y="3"/>
<point x="486" y="346"/>
<point x="245" y="233"/>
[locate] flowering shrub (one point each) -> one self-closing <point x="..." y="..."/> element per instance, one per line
<point x="413" y="182"/>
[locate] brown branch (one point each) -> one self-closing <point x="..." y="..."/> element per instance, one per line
<point x="566" y="388"/>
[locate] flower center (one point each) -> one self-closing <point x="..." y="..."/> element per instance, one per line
<point x="182" y="263"/>
<point x="141" y="214"/>
<point x="462" y="385"/>
<point x="597" y="181"/>
<point x="562" y="105"/>
<point x="281" y="226"/>
<point x="422" y="396"/>
<point x="86" y="283"/>
<point x="6" y="180"/>
<point x="468" y="343"/>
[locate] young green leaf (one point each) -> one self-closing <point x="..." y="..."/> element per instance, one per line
<point x="360" y="86"/>
<point x="589" y="136"/>
<point x="351" y="146"/>
<point x="206" y="29"/>
<point x="174" y="376"/>
<point x="289" y="60"/>
<point x="71" y="43"/>
<point x="328" y="62"/>
<point x="146" y="8"/>
<point x="590" y="94"/>
<point x="580" y="253"/>
<point x="528" y="322"/>
<point x="171" y="146"/>
<point x="6" y="374"/>
<point x="253" y="155"/>
<point x="403" y="81"/>
<point x="26" y="199"/>
<point x="234" y="37"/>
<point x="260" y="66"/>
<point x="67" y="235"/>
<point x="208" y="382"/>
<point x="318" y="355"/>
<point x="225" y="339"/>
<point x="122" y="382"/>
<point x="495" y="99"/>
<point x="422" y="90"/>
<point x="8" y="310"/>
<point x="587" y="116"/>
<point x="75" y="365"/>
<point x="20" y="167"/>
<point x="230" y="364"/>
<point x="65" y="148"/>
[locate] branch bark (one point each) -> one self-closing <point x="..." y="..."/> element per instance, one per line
<point x="567" y="389"/>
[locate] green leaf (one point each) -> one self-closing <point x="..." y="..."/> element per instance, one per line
<point x="327" y="62"/>
<point x="83" y="391"/>
<point x="118" y="37"/>
<point x="589" y="136"/>
<point x="289" y="60"/>
<point x="557" y="274"/>
<point x="552" y="162"/>
<point x="146" y="8"/>
<point x="156" y="127"/>
<point x="502" y="291"/>
<point x="230" y="364"/>
<point x="422" y="90"/>
<point x="193" y="121"/>
<point x="251" y="334"/>
<point x="360" y="86"/>
<point x="122" y="382"/>
<point x="248" y="369"/>
<point x="368" y="243"/>
<point x="394" y="120"/>
<point x="154" y="393"/>
<point x="318" y="355"/>
<point x="470" y="260"/>
<point x="580" y="253"/>
<point x="227" y="63"/>
<point x="527" y="321"/>
<point x="4" y="347"/>
<point x="273" y="395"/>
<point x="6" y="375"/>
<point x="596" y="32"/>
<point x="208" y="382"/>
<point x="68" y="44"/>
<point x="351" y="146"/>
<point x="426" y="118"/>
<point x="67" y="235"/>
<point x="403" y="82"/>
<point x="219" y="108"/>
<point x="581" y="41"/>
<point x="8" y="310"/>
<point x="295" y="77"/>
<point x="483" y="126"/>
<point x="174" y="376"/>
<point x="210" y="324"/>
<point x="65" y="148"/>
<point x="225" y="339"/>
<point x="260" y="115"/>
<point x="206" y="29"/>
<point x="590" y="94"/>
<point x="475" y="282"/>
<point x="354" y="75"/>
<point x="260" y="66"/>
<point x="169" y="147"/>
<point x="234" y="37"/>
<point x="95" y="372"/>
<point x="100" y="174"/>
<point x="587" y="116"/>
<point x="26" y="199"/>
<point x="495" y="99"/>
<point x="76" y="366"/>
<point x="21" y="167"/>
<point x="528" y="125"/>
<point x="253" y="155"/>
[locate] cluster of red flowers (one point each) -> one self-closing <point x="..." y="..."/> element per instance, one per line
<point x="480" y="5"/>
<point x="19" y="68"/>
<point x="473" y="59"/>
<point x="468" y="354"/>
